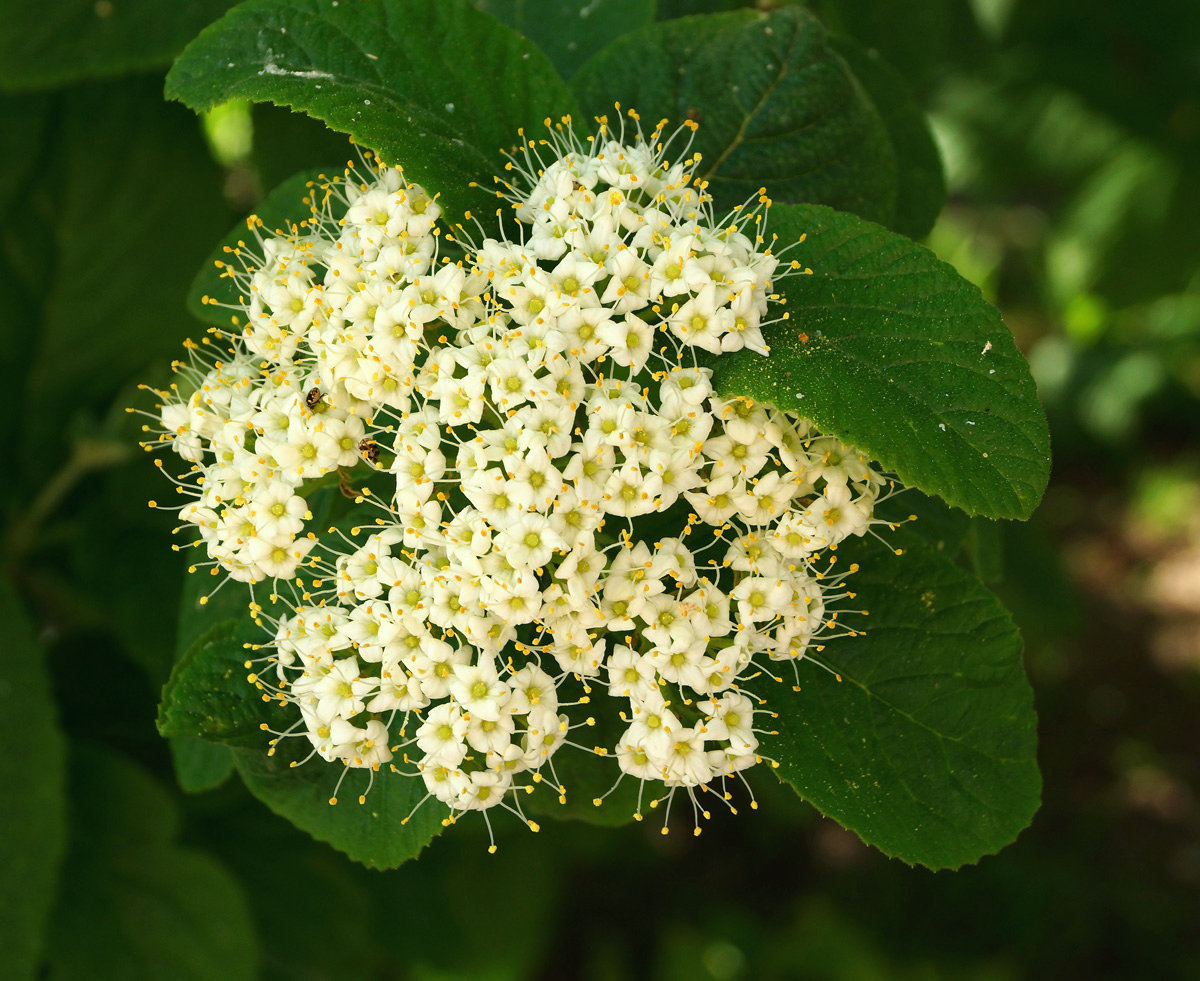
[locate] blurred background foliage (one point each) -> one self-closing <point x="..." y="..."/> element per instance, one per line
<point x="1071" y="136"/>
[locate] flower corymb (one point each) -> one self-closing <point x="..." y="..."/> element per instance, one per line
<point x="557" y="517"/>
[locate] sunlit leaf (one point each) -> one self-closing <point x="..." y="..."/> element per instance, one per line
<point x="890" y="349"/>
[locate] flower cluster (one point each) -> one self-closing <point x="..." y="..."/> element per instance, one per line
<point x="569" y="505"/>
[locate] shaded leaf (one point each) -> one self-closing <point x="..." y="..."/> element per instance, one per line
<point x="26" y="119"/>
<point x="586" y="776"/>
<point x="126" y="242"/>
<point x="32" y="773"/>
<point x="49" y="45"/>
<point x="920" y="183"/>
<point x="775" y="104"/>
<point x="890" y="349"/>
<point x="135" y="904"/>
<point x="204" y="606"/>
<point x="919" y="37"/>
<point x="926" y="747"/>
<point x="200" y="765"/>
<point x="670" y="9"/>
<point x="570" y="31"/>
<point x="928" y="518"/>
<point x="413" y="96"/>
<point x="208" y="695"/>
<point x="375" y="832"/>
<point x="286" y="143"/>
<point x="284" y="206"/>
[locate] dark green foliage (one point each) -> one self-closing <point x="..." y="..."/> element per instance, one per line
<point x="570" y="33"/>
<point x="32" y="773"/>
<point x="892" y="350"/>
<point x="49" y="45"/>
<point x="925" y="743"/>
<point x="208" y="695"/>
<point x="920" y="186"/>
<point x="133" y="901"/>
<point x="378" y="832"/>
<point x="101" y="216"/>
<point x="776" y="106"/>
<point x="390" y="75"/>
<point x="1072" y="162"/>
<point x="213" y="291"/>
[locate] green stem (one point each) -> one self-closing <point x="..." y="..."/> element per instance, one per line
<point x="85" y="457"/>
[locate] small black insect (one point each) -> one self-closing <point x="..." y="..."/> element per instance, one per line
<point x="312" y="398"/>
<point x="370" y="449"/>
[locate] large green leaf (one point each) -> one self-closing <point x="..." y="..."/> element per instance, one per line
<point x="200" y="765"/>
<point x="134" y="904"/>
<point x="207" y="669"/>
<point x="926" y="745"/>
<point x="375" y="832"/>
<point x="134" y="202"/>
<point x="47" y="45"/>
<point x="890" y="349"/>
<point x="570" y="31"/>
<point x="432" y="85"/>
<point x="208" y="696"/>
<point x="775" y="104"/>
<point x="920" y="183"/>
<point x="33" y="817"/>
<point x="919" y="37"/>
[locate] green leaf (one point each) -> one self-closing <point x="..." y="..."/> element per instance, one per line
<point x="570" y="31"/>
<point x="375" y="833"/>
<point x="200" y="765"/>
<point x="32" y="773"/>
<point x="775" y="104"/>
<point x="920" y="183"/>
<point x="133" y="903"/>
<point x="49" y="45"/>
<point x="417" y="81"/>
<point x="890" y="349"/>
<point x="134" y="203"/>
<point x="985" y="549"/>
<point x="26" y="120"/>
<point x="208" y="695"/>
<point x="209" y="602"/>
<point x="926" y="747"/>
<point x="669" y="9"/>
<point x="919" y="37"/>
<point x="932" y="520"/>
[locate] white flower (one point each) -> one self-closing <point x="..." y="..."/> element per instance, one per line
<point x="442" y="736"/>
<point x="570" y="496"/>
